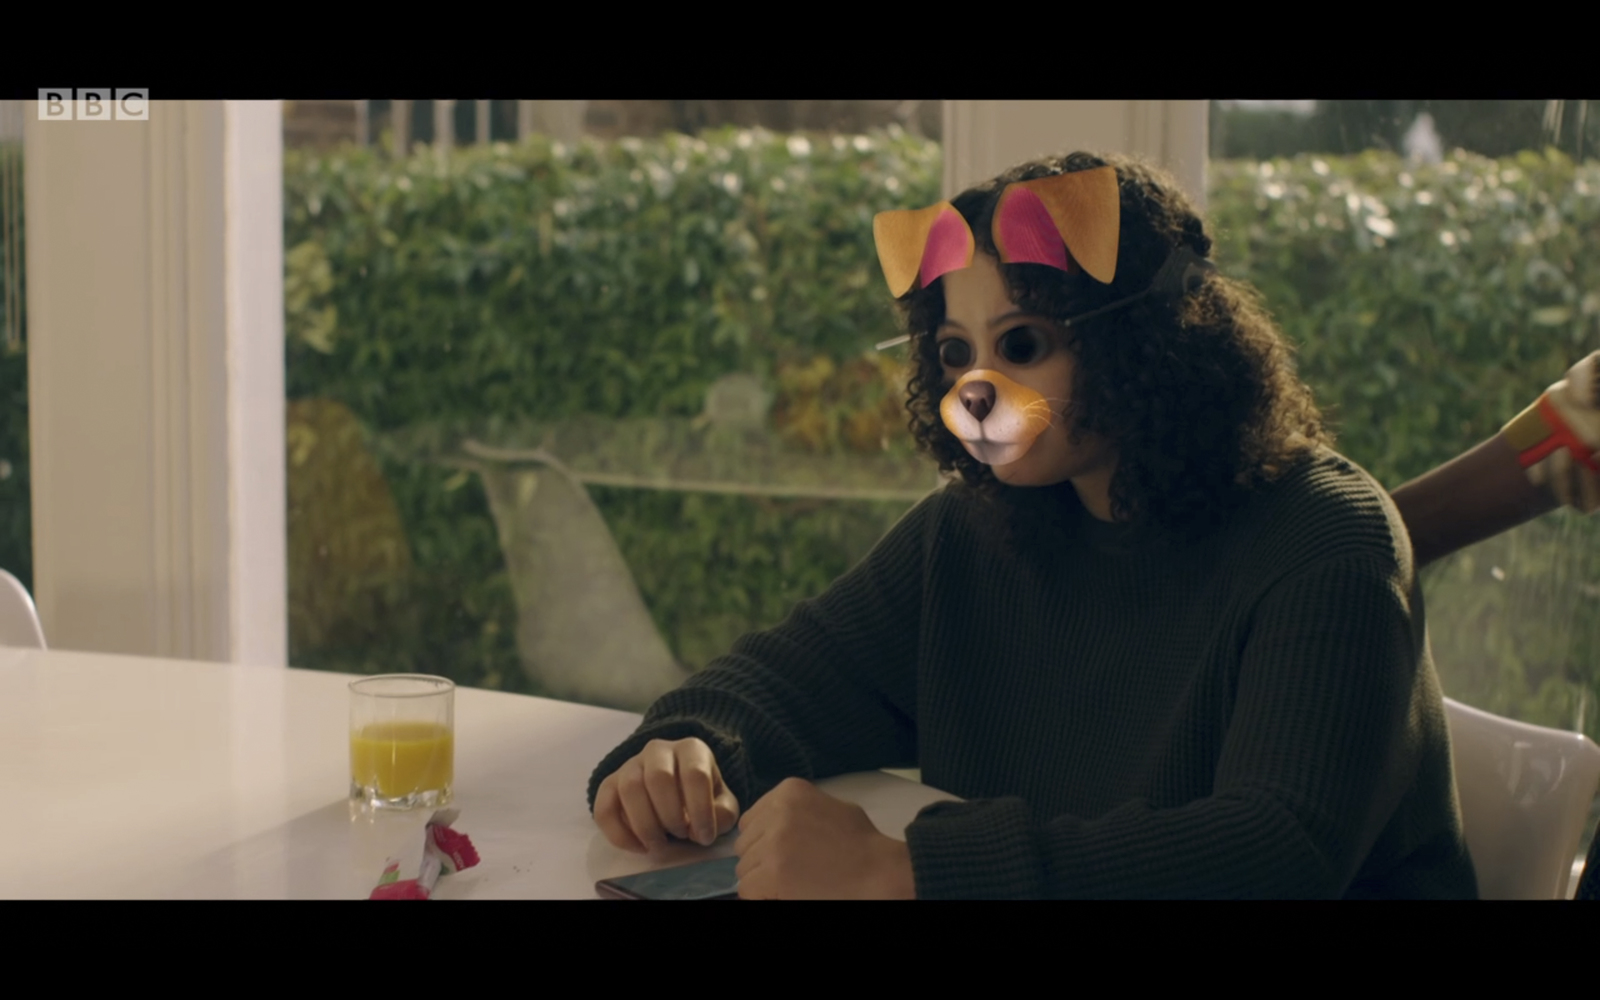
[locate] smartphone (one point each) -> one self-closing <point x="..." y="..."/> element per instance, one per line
<point x="700" y="880"/>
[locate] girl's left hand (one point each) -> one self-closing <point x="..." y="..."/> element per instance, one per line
<point x="799" y="843"/>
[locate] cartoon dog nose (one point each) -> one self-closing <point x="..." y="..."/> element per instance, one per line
<point x="978" y="398"/>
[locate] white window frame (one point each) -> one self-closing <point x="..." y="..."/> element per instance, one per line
<point x="156" y="381"/>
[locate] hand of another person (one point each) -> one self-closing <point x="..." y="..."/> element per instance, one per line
<point x="671" y="788"/>
<point x="1571" y="481"/>
<point x="1576" y="398"/>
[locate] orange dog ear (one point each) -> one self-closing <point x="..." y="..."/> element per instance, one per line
<point x="922" y="243"/>
<point x="1086" y="208"/>
<point x="1040" y="221"/>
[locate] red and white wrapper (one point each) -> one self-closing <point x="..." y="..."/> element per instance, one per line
<point x="444" y="852"/>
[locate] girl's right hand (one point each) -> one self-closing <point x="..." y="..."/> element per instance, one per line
<point x="671" y="787"/>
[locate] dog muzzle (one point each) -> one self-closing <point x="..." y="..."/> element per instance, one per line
<point x="995" y="418"/>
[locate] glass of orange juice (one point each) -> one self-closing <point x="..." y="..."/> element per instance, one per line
<point x="402" y="741"/>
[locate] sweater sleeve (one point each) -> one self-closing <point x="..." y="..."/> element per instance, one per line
<point x="1321" y="746"/>
<point x="829" y="691"/>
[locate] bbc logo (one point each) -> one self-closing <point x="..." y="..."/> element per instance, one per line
<point x="97" y="104"/>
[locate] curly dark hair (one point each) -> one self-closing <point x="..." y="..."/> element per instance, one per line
<point x="1200" y="398"/>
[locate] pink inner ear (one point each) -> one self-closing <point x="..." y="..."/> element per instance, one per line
<point x="949" y="247"/>
<point x="1025" y="232"/>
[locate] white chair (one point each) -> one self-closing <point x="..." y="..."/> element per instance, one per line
<point x="1525" y="794"/>
<point x="19" y="619"/>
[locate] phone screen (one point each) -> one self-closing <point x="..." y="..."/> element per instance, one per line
<point x="701" y="880"/>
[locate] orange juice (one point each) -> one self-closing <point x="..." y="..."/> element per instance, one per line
<point x="402" y="758"/>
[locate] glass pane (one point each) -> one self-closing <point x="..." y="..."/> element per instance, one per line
<point x="380" y="122"/>
<point x="557" y="407"/>
<point x="422" y="122"/>
<point x="466" y="122"/>
<point x="1436" y="263"/>
<point x="502" y="121"/>
<point x="16" y="500"/>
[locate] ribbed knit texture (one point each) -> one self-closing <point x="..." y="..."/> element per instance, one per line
<point x="1589" y="881"/>
<point x="1252" y="713"/>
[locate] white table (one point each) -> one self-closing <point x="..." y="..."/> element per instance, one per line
<point x="142" y="778"/>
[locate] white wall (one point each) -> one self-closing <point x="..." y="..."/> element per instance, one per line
<point x="155" y="352"/>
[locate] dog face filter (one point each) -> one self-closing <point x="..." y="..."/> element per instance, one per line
<point x="1009" y="375"/>
<point x="1069" y="222"/>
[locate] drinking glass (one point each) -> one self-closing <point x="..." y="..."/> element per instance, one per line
<point x="402" y="741"/>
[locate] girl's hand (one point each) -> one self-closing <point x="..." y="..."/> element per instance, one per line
<point x="671" y="788"/>
<point x="798" y="842"/>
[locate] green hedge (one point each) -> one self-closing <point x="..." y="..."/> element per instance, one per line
<point x="1430" y="305"/>
<point x="535" y="282"/>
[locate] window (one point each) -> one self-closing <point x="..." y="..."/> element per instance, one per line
<point x="560" y="407"/>
<point x="472" y="122"/>
<point x="16" y="530"/>
<point x="1436" y="264"/>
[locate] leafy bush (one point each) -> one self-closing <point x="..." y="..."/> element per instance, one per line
<point x="1430" y="305"/>
<point x="491" y="287"/>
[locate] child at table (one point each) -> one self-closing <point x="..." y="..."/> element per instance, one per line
<point x="1161" y="639"/>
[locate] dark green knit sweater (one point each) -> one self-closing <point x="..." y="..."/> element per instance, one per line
<point x="1253" y="713"/>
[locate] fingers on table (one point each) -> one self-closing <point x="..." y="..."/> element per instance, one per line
<point x="613" y="822"/>
<point x="697" y="783"/>
<point x="638" y="806"/>
<point x="726" y="808"/>
<point x="671" y="788"/>
<point x="662" y="780"/>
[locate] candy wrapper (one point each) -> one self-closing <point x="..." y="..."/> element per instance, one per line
<point x="444" y="852"/>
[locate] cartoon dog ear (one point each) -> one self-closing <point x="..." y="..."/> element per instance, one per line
<point x="1061" y="220"/>
<point x="921" y="244"/>
<point x="1085" y="208"/>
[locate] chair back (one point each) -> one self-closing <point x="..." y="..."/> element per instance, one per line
<point x="19" y="619"/>
<point x="1525" y="794"/>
